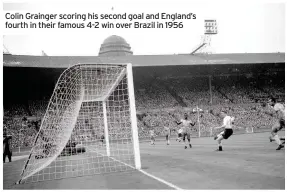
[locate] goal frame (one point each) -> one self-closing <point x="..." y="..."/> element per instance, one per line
<point x="127" y="71"/>
<point x="133" y="117"/>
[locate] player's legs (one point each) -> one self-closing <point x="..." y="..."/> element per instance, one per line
<point x="220" y="134"/>
<point x="223" y="135"/>
<point x="188" y="139"/>
<point x="282" y="139"/>
<point x="167" y="139"/>
<point x="271" y="139"/>
<point x="152" y="140"/>
<point x="187" y="136"/>
<point x="4" y="156"/>
<point x="10" y="156"/>
<point x="219" y="139"/>
<point x="282" y="123"/>
<point x="183" y="139"/>
<point x="274" y="136"/>
<point x="179" y="136"/>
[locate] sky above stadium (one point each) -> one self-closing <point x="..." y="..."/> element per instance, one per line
<point x="243" y="27"/>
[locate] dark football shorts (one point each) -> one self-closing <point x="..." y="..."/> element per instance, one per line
<point x="179" y="135"/>
<point x="187" y="135"/>
<point x="227" y="133"/>
<point x="282" y="122"/>
<point x="167" y="136"/>
<point x="281" y="126"/>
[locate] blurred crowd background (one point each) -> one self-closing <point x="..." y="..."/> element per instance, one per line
<point x="164" y="101"/>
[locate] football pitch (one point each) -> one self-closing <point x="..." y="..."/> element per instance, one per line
<point x="249" y="161"/>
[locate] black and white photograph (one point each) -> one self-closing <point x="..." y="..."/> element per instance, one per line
<point x="143" y="95"/>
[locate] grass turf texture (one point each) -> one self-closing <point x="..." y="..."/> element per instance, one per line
<point x="249" y="161"/>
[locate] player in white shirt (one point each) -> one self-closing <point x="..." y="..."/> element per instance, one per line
<point x="228" y="131"/>
<point x="179" y="136"/>
<point x="280" y="124"/>
<point x="186" y="131"/>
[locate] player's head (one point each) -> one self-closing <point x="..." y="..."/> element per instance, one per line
<point x="271" y="101"/>
<point x="223" y="113"/>
<point x="185" y="115"/>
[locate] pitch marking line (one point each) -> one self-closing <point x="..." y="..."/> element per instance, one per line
<point x="145" y="173"/>
<point x="161" y="180"/>
<point x="15" y="158"/>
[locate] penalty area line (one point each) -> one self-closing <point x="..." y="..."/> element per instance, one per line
<point x="145" y="173"/>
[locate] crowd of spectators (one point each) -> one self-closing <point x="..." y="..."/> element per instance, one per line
<point x="248" y="116"/>
<point x="23" y="132"/>
<point x="156" y="95"/>
<point x="242" y="97"/>
<point x="38" y="107"/>
<point x="191" y="93"/>
<point x="15" y="110"/>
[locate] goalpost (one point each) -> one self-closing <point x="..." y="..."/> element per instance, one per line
<point x="89" y="127"/>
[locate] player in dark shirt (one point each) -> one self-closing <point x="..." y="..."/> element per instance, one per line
<point x="7" y="146"/>
<point x="186" y="131"/>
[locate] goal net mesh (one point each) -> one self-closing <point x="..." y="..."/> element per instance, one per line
<point x="87" y="128"/>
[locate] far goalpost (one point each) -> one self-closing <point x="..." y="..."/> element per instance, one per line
<point x="89" y="127"/>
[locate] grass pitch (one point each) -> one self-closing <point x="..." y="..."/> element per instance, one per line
<point x="249" y="161"/>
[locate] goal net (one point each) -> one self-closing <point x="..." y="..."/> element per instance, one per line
<point x="89" y="126"/>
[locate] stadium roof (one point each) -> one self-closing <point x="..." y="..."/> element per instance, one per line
<point x="143" y="60"/>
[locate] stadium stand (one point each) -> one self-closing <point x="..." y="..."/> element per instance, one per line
<point x="160" y="107"/>
<point x="161" y="92"/>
